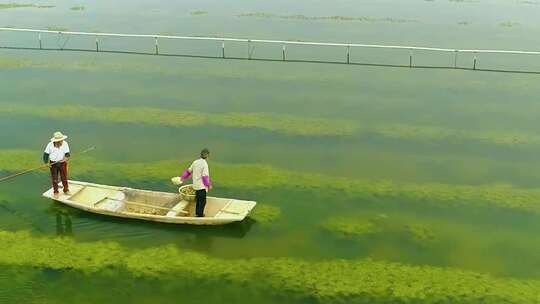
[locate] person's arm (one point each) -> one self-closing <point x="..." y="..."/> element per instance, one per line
<point x="187" y="173"/>
<point x="206" y="182"/>
<point x="206" y="178"/>
<point x="67" y="154"/>
<point x="46" y="153"/>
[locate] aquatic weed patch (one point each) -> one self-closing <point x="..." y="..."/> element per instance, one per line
<point x="327" y="18"/>
<point x="23" y="5"/>
<point x="433" y="133"/>
<point x="331" y="280"/>
<point x="286" y="124"/>
<point x="198" y="13"/>
<point x="255" y="177"/>
<point x="348" y="227"/>
<point x="264" y="213"/>
<point x="57" y="29"/>
<point x="357" y="227"/>
<point x="279" y="123"/>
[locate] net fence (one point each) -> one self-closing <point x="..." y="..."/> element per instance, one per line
<point x="518" y="61"/>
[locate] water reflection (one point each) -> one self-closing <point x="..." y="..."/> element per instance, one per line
<point x="64" y="224"/>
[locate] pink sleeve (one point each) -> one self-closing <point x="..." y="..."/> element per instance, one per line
<point x="206" y="181"/>
<point x="186" y="175"/>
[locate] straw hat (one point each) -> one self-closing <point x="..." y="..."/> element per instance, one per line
<point x="58" y="136"/>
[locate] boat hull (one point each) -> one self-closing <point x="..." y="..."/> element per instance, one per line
<point x="149" y="205"/>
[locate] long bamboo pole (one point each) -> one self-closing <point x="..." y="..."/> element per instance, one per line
<point x="3" y="179"/>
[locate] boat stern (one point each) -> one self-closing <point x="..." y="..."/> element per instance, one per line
<point x="236" y="210"/>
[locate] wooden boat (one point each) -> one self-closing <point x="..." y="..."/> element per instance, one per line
<point x="150" y="205"/>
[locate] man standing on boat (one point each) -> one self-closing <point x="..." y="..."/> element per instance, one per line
<point x="56" y="154"/>
<point x="201" y="180"/>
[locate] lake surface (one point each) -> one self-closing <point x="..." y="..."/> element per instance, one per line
<point x="374" y="184"/>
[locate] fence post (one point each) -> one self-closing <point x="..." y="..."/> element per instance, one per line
<point x="39" y="38"/>
<point x="455" y="58"/>
<point x="283" y="52"/>
<point x="348" y="54"/>
<point x="157" y="47"/>
<point x="249" y="49"/>
<point x="97" y="44"/>
<point x="474" y="64"/>
<point x="223" y="49"/>
<point x="410" y="58"/>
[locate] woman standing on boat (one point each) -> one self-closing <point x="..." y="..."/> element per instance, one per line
<point x="201" y="180"/>
<point x="56" y="154"/>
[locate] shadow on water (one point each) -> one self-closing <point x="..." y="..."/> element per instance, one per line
<point x="65" y="214"/>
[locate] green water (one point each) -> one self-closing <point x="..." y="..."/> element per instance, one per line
<point x="442" y="164"/>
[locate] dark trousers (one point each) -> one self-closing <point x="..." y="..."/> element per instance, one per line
<point x="59" y="169"/>
<point x="200" y="198"/>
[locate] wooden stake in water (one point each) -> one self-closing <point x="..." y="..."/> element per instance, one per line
<point x="3" y="179"/>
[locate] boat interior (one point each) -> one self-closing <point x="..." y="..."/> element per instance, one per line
<point x="126" y="200"/>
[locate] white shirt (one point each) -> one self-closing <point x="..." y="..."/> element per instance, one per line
<point x="57" y="154"/>
<point x="198" y="169"/>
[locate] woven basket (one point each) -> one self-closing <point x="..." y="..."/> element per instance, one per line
<point x="186" y="197"/>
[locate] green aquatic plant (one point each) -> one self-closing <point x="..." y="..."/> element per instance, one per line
<point x="77" y="8"/>
<point x="355" y="227"/>
<point x="326" y="18"/>
<point x="265" y="213"/>
<point x="260" y="177"/>
<point x="528" y="2"/>
<point x="14" y="64"/>
<point x="286" y="124"/>
<point x="509" y="24"/>
<point x="198" y="13"/>
<point x="420" y="233"/>
<point x="23" y="5"/>
<point x="431" y="133"/>
<point x="341" y="281"/>
<point x="280" y="123"/>
<point x="347" y="227"/>
<point x="57" y="29"/>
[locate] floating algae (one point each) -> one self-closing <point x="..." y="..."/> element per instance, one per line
<point x="528" y="2"/>
<point x="509" y="24"/>
<point x="280" y="123"/>
<point x="23" y="5"/>
<point x="198" y="13"/>
<point x="327" y="18"/>
<point x="286" y="124"/>
<point x="265" y="213"/>
<point x="348" y="227"/>
<point x="261" y="177"/>
<point x="57" y="29"/>
<point x="431" y="133"/>
<point x="360" y="226"/>
<point x="342" y="281"/>
<point x="420" y="233"/>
